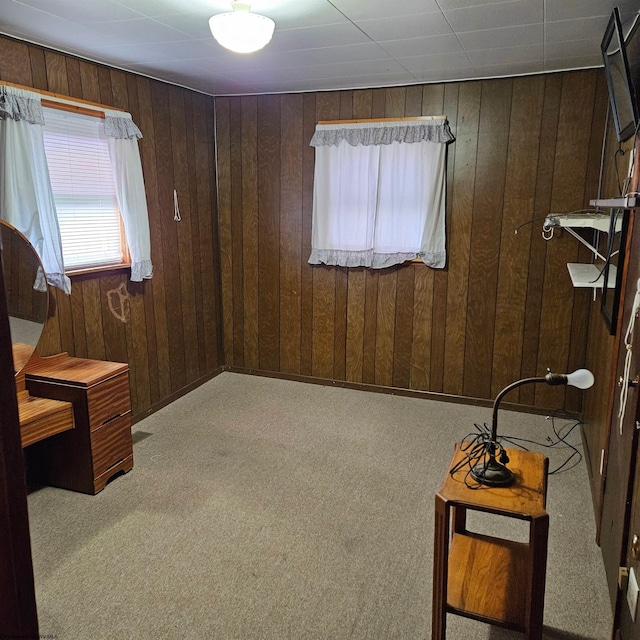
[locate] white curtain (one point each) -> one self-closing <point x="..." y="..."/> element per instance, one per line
<point x="26" y="200"/>
<point x="379" y="196"/>
<point x="123" y="137"/>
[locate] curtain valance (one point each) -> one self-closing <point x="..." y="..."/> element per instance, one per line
<point x="119" y="124"/>
<point x="19" y="104"/>
<point x="384" y="132"/>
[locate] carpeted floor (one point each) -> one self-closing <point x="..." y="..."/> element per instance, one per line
<point x="268" y="509"/>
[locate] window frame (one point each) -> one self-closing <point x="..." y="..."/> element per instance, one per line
<point x="66" y="104"/>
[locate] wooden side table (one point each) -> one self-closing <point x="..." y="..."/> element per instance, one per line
<point x="490" y="579"/>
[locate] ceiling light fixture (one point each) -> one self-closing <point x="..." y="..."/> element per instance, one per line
<point x="240" y="30"/>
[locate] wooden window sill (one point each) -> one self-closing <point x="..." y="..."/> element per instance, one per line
<point x="96" y="271"/>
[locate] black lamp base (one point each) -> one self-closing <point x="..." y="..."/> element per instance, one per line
<point x="492" y="474"/>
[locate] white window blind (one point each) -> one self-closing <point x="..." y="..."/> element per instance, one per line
<point x="83" y="189"/>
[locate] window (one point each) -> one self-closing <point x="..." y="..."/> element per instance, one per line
<point x="90" y="170"/>
<point x="83" y="189"/>
<point x="378" y="196"/>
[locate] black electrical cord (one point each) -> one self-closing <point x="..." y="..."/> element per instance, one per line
<point x="622" y="187"/>
<point x="560" y="439"/>
<point x="477" y="447"/>
<point x="619" y="152"/>
<point x="610" y="252"/>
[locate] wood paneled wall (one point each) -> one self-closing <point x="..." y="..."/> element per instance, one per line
<point x="602" y="347"/>
<point x="167" y="328"/>
<point x="503" y="308"/>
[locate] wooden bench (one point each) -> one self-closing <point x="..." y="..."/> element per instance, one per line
<point x="41" y="418"/>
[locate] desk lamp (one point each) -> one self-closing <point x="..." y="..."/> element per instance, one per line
<point x="495" y="474"/>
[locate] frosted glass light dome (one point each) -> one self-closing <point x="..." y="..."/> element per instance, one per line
<point x="240" y="30"/>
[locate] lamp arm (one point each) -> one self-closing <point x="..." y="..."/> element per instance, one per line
<point x="503" y="393"/>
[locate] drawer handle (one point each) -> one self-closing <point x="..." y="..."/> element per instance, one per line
<point x="111" y="419"/>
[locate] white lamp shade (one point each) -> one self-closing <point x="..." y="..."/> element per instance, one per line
<point x="242" y="31"/>
<point x="582" y="378"/>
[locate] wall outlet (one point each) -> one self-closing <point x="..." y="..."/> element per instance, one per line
<point x="632" y="594"/>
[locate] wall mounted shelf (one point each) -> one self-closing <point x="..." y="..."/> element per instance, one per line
<point x="569" y="221"/>
<point x="598" y="221"/>
<point x="588" y="275"/>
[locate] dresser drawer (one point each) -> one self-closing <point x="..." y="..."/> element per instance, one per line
<point x="108" y="400"/>
<point x="111" y="443"/>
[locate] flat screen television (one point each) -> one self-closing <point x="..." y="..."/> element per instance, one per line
<point x="622" y="93"/>
<point x="632" y="49"/>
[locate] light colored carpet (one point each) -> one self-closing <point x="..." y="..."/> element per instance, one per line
<point x="270" y="509"/>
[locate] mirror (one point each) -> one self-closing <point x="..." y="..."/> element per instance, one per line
<point x="612" y="273"/>
<point x="27" y="307"/>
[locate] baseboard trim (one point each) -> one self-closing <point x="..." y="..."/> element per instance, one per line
<point x="344" y="384"/>
<point x="398" y="391"/>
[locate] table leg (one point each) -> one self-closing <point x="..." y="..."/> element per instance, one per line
<point x="538" y="536"/>
<point x="459" y="518"/>
<point x="440" y="570"/>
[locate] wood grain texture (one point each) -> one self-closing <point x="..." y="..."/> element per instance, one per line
<point x="177" y="113"/>
<point x="461" y="206"/>
<point x="567" y="194"/>
<point x="324" y="278"/>
<point x="269" y="145"/>
<point x="292" y="121"/>
<point x="18" y="612"/>
<point x="600" y="346"/>
<point x="167" y="329"/>
<point x="538" y="246"/>
<point x="385" y="326"/>
<point x="194" y="218"/>
<point x="237" y="336"/>
<point x="249" y="137"/>
<point x="403" y="333"/>
<point x="41" y="418"/>
<point x="466" y="329"/>
<point x="517" y="213"/>
<point x="111" y="444"/>
<point x="486" y="228"/>
<point x="84" y="457"/>
<point x="173" y="312"/>
<point x="223" y="134"/>
<point x="306" y="271"/>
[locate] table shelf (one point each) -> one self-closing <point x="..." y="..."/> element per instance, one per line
<point x="476" y="561"/>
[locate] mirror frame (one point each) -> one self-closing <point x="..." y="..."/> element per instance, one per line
<point x="22" y="352"/>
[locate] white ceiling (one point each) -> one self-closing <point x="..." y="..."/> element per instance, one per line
<point x="323" y="44"/>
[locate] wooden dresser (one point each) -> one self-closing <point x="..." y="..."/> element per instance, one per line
<point x="99" y="445"/>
